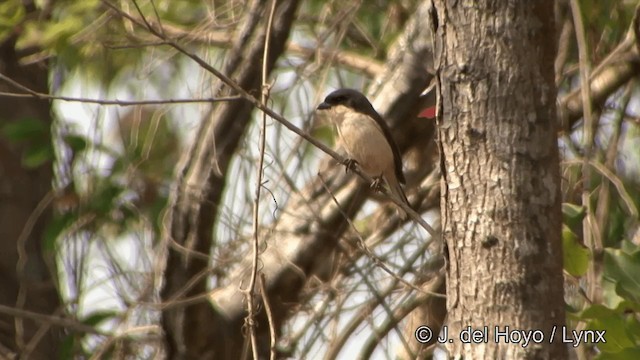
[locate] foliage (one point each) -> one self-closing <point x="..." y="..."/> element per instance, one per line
<point x="35" y="137"/>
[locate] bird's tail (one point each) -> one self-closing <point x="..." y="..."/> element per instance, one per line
<point x="397" y="190"/>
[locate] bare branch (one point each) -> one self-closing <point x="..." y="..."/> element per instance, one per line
<point x="251" y="301"/>
<point x="42" y="96"/>
<point x="51" y="320"/>
<point x="616" y="69"/>
<point x="308" y="229"/>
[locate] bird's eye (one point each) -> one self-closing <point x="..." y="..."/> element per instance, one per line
<point x="340" y="99"/>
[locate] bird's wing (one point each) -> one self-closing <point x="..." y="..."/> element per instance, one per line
<point x="397" y="159"/>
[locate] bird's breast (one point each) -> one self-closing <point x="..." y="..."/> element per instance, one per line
<point x="365" y="142"/>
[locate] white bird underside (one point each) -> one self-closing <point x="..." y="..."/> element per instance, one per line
<point x="364" y="142"/>
<point x="363" y="138"/>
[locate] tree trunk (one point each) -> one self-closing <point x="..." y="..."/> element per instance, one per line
<point x="196" y="331"/>
<point x="25" y="280"/>
<point x="500" y="186"/>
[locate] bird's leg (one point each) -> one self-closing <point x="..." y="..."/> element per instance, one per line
<point x="350" y="165"/>
<point x="376" y="184"/>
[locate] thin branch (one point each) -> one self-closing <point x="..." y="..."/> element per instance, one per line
<point x="267" y="308"/>
<point x="127" y="334"/>
<point x="266" y="88"/>
<point x="348" y="59"/>
<point x="42" y="96"/>
<point x="251" y="310"/>
<point x="627" y="199"/>
<point x="264" y="108"/>
<point x="604" y="194"/>
<point x="616" y="69"/>
<point x="368" y="308"/>
<point x="232" y="84"/>
<point x="379" y="297"/>
<point x="402" y="310"/>
<point x="362" y="245"/>
<point x="21" y="264"/>
<point x="563" y="49"/>
<point x="68" y="324"/>
<point x="591" y="236"/>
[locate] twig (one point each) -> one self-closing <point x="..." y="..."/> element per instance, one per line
<point x="21" y="264"/>
<point x="620" y="65"/>
<point x="363" y="247"/>
<point x="587" y="138"/>
<point x="233" y="85"/>
<point x="51" y="320"/>
<point x="604" y="194"/>
<point x="368" y="308"/>
<point x="624" y="195"/>
<point x="377" y="295"/>
<point x="251" y="310"/>
<point x="127" y="334"/>
<point x="349" y="59"/>
<point x="265" y="96"/>
<point x="264" y="108"/>
<point x="42" y="96"/>
<point x="267" y="308"/>
<point x="402" y="310"/>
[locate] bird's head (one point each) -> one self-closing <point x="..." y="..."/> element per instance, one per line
<point x="344" y="100"/>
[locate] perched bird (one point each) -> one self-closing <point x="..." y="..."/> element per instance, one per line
<point x="366" y="137"/>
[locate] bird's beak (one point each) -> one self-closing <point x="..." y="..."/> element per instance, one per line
<point x="323" y="106"/>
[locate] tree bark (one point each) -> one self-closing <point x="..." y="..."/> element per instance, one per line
<point x="25" y="280"/>
<point x="500" y="182"/>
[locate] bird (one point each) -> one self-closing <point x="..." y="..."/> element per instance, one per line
<point x="366" y="138"/>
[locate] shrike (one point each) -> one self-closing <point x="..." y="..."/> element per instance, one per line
<point x="366" y="137"/>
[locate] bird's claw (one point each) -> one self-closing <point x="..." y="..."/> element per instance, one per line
<point x="350" y="165"/>
<point x="376" y="184"/>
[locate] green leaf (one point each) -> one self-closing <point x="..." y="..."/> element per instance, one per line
<point x="596" y="311"/>
<point x="576" y="256"/>
<point x="628" y="247"/>
<point x="11" y="14"/>
<point x="615" y="225"/>
<point x="67" y="348"/>
<point x="58" y="32"/>
<point x="36" y="133"/>
<point x="610" y="296"/>
<point x="25" y="129"/>
<point x="155" y="213"/>
<point x="77" y="143"/>
<point x="105" y="197"/>
<point x="37" y="155"/>
<point x="617" y="334"/>
<point x="626" y="354"/>
<point x="624" y="270"/>
<point x="573" y="214"/>
<point x="97" y="317"/>
<point x="55" y="227"/>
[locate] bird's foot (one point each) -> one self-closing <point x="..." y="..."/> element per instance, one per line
<point x="376" y="184"/>
<point x="350" y="165"/>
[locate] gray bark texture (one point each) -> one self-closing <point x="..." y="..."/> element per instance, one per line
<point x="500" y="183"/>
